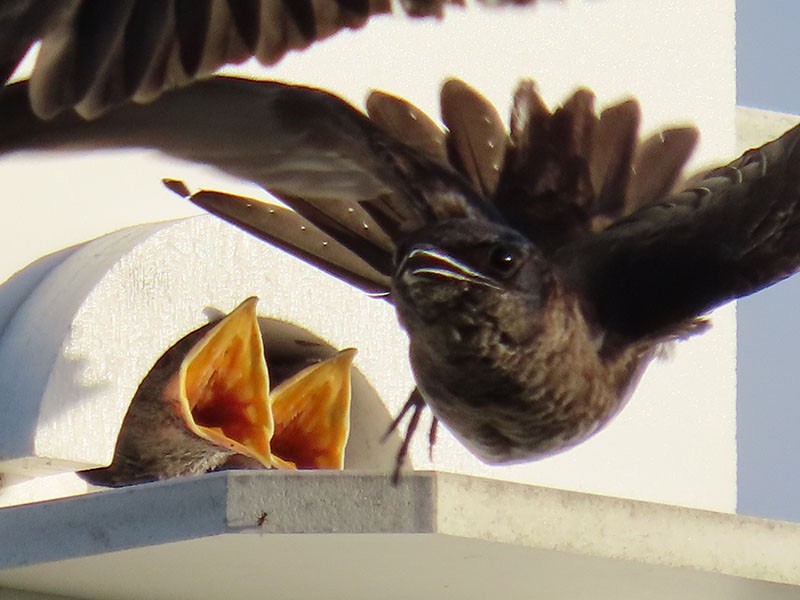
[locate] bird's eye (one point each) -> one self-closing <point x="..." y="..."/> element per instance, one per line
<point x="504" y="260"/>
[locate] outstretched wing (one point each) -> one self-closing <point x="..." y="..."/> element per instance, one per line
<point x="95" y="53"/>
<point x="340" y="254"/>
<point x="314" y="151"/>
<point x="738" y="231"/>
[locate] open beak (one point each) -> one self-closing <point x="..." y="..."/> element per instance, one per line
<point x="223" y="396"/>
<point x="207" y="400"/>
<point x="430" y="261"/>
<point x="222" y="386"/>
<point x="312" y="414"/>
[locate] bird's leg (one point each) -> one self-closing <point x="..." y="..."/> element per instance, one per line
<point x="432" y="436"/>
<point x="415" y="402"/>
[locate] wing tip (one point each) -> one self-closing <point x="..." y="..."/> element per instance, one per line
<point x="176" y="186"/>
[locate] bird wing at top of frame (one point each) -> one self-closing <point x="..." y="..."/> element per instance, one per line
<point x="96" y="53"/>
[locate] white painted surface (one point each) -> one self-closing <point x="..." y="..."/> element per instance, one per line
<point x="19" y="489"/>
<point x="675" y="443"/>
<point x="356" y="536"/>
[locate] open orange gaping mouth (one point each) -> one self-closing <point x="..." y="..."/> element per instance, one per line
<point x="312" y="414"/>
<point x="223" y="396"/>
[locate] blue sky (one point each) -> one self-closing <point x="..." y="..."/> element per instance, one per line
<point x="768" y="76"/>
<point x="768" y="54"/>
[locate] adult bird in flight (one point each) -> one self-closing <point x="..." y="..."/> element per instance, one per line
<point x="537" y="271"/>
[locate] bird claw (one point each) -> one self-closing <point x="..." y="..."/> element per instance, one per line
<point x="432" y="436"/>
<point x="417" y="403"/>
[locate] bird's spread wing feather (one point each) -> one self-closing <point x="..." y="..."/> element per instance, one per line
<point x="568" y="172"/>
<point x="657" y="166"/>
<point x="734" y="233"/>
<point x="294" y="233"/>
<point x="405" y="122"/>
<point x="545" y="189"/>
<point x="95" y="54"/>
<point x="616" y="137"/>
<point x="296" y="142"/>
<point x="476" y="137"/>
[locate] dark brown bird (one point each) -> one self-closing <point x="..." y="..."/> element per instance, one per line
<point x="537" y="271"/>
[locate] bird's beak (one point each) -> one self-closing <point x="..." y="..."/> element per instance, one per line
<point x="222" y="394"/>
<point x="430" y="261"/>
<point x="221" y="388"/>
<point x="207" y="401"/>
<point x="312" y="414"/>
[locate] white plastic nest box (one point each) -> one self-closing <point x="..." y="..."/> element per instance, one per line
<point x="85" y="325"/>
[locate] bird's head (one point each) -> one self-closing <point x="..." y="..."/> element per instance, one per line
<point x="468" y="270"/>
